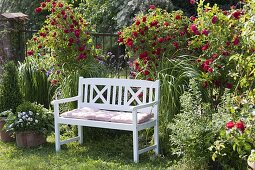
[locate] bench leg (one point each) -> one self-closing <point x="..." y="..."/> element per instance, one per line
<point x="57" y="137"/>
<point x="80" y="134"/>
<point x="135" y="146"/>
<point x="156" y="139"/>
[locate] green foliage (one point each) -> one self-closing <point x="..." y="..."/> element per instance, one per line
<point x="110" y="16"/>
<point x="5" y="113"/>
<point x="10" y="95"/>
<point x="174" y="75"/>
<point x="34" y="80"/>
<point x="249" y="21"/>
<point x="190" y="9"/>
<point x="191" y="129"/>
<point x="236" y="139"/>
<point x="101" y="14"/>
<point x="30" y="117"/>
<point x="244" y="72"/>
<point x="129" y="9"/>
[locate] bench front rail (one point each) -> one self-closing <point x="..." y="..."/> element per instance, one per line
<point x="132" y="97"/>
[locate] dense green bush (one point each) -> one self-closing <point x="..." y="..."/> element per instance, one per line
<point x="195" y="129"/>
<point x="110" y="16"/>
<point x="191" y="131"/>
<point x="10" y="95"/>
<point x="236" y="137"/>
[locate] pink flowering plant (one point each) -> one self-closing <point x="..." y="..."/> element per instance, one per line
<point x="151" y="36"/>
<point x="64" y="42"/>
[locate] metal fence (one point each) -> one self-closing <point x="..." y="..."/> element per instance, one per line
<point x="113" y="55"/>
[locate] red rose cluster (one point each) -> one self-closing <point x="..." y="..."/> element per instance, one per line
<point x="239" y="125"/>
<point x="66" y="25"/>
<point x="153" y="35"/>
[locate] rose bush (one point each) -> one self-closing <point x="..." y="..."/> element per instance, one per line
<point x="236" y="139"/>
<point x="151" y="36"/>
<point x="64" y="42"/>
<point x="216" y="36"/>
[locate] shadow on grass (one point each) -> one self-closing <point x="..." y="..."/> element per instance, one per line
<point x="103" y="152"/>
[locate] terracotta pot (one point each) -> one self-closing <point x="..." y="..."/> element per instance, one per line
<point x="5" y="136"/>
<point x="29" y="139"/>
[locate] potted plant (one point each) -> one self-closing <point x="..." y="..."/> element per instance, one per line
<point x="31" y="124"/>
<point x="5" y="136"/>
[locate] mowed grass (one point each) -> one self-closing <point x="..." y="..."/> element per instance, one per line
<point x="104" y="153"/>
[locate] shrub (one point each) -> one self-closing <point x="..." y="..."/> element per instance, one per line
<point x="218" y="40"/>
<point x="236" y="138"/>
<point x="31" y="117"/>
<point x="74" y="49"/>
<point x="191" y="129"/>
<point x="153" y="35"/>
<point x="11" y="96"/>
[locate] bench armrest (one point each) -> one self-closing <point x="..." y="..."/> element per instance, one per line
<point x="141" y="106"/>
<point x="66" y="100"/>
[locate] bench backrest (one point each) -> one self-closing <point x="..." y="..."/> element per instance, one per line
<point x="117" y="94"/>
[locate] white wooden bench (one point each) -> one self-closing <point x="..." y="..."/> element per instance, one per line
<point x="123" y="104"/>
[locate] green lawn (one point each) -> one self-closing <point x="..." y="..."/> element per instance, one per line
<point x="104" y="153"/>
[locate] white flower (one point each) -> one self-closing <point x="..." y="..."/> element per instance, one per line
<point x="30" y="112"/>
<point x="37" y="114"/>
<point x="20" y="120"/>
<point x="36" y="121"/>
<point x="19" y="115"/>
<point x="23" y="113"/>
<point x="244" y="101"/>
<point x="24" y="117"/>
<point x="253" y="112"/>
<point x="253" y="19"/>
<point x="31" y="119"/>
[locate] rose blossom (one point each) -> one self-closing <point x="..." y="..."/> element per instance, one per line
<point x="152" y="7"/>
<point x="236" y="14"/>
<point x="38" y="10"/>
<point x="205" y="32"/>
<point x="192" y="2"/>
<point x="230" y="124"/>
<point x="214" y="19"/>
<point x="240" y="125"/>
<point x="236" y="41"/>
